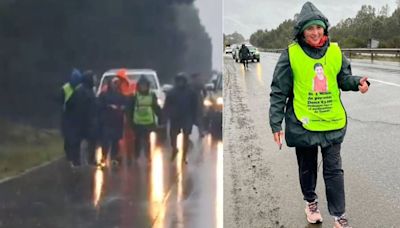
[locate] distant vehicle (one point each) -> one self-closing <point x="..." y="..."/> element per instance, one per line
<point x="235" y="49"/>
<point x="254" y="53"/>
<point x="133" y="76"/>
<point x="214" y="104"/>
<point x="228" y="50"/>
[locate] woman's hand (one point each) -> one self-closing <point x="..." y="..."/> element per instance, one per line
<point x="363" y="87"/>
<point x="278" y="138"/>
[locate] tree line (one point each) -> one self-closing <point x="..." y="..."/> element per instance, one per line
<point x="42" y="40"/>
<point x="369" y="23"/>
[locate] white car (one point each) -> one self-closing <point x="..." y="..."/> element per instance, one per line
<point x="228" y="50"/>
<point x="133" y="76"/>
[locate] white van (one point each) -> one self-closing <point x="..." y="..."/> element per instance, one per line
<point x="133" y="76"/>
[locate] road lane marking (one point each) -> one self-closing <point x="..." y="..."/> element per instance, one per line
<point x="383" y="82"/>
<point x="4" y="180"/>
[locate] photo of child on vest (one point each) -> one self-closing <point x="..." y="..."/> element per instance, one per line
<point x="319" y="81"/>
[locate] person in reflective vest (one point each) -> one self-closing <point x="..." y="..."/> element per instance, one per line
<point x="145" y="114"/>
<point x="66" y="93"/>
<point x="305" y="90"/>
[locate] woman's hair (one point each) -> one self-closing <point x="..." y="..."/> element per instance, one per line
<point x="318" y="65"/>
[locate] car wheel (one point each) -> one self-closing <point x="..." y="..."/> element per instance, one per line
<point x="236" y="60"/>
<point x="258" y="60"/>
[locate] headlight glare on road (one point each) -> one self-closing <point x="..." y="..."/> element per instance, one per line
<point x="207" y="103"/>
<point x="220" y="101"/>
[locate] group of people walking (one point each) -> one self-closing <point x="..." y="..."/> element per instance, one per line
<point x="101" y="120"/>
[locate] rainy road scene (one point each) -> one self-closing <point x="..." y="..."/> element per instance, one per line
<point x="111" y="114"/>
<point x="261" y="186"/>
<point x="160" y="194"/>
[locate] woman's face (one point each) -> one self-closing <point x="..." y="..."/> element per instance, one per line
<point x="320" y="72"/>
<point x="313" y="34"/>
<point x="143" y="87"/>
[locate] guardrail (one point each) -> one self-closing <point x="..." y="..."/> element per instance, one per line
<point x="349" y="51"/>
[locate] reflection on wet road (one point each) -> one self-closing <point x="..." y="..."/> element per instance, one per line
<point x="163" y="194"/>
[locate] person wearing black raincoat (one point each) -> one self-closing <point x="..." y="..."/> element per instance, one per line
<point x="244" y="55"/>
<point x="67" y="90"/>
<point x="305" y="91"/>
<point x="181" y="110"/>
<point x="82" y="115"/>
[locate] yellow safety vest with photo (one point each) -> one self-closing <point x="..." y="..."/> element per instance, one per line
<point x="316" y="99"/>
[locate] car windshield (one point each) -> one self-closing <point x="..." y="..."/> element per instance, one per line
<point x="134" y="78"/>
<point x="219" y="83"/>
<point x="217" y="79"/>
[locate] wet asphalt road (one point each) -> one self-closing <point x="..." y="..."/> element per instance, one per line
<point x="261" y="187"/>
<point x="164" y="194"/>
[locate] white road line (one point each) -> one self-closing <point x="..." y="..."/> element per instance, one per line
<point x="383" y="82"/>
<point x="29" y="170"/>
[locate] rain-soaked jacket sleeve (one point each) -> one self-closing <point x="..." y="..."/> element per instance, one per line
<point x="345" y="79"/>
<point x="281" y="89"/>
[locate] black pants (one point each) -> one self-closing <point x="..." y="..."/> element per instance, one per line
<point x="71" y="148"/>
<point x="245" y="63"/>
<point x="110" y="146"/>
<point x="307" y="159"/>
<point x="174" y="132"/>
<point x="91" y="151"/>
<point x="142" y="140"/>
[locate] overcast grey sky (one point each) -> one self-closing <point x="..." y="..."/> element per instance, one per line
<point x="246" y="17"/>
<point x="211" y="17"/>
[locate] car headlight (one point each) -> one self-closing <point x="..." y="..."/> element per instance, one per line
<point x="207" y="103"/>
<point x="220" y="101"/>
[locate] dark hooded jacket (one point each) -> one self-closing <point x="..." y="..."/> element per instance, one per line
<point x="181" y="105"/>
<point x="66" y="112"/>
<point x="82" y="110"/>
<point x="281" y="97"/>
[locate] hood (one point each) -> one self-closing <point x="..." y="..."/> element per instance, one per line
<point x="307" y="13"/>
<point x="87" y="81"/>
<point x="76" y="77"/>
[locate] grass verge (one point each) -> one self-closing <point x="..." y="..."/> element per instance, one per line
<point x="23" y="147"/>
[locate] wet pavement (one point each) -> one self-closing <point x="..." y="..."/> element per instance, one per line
<point x="163" y="194"/>
<point x="261" y="187"/>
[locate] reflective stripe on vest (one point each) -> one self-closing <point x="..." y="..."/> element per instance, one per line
<point x="316" y="99"/>
<point x="144" y="114"/>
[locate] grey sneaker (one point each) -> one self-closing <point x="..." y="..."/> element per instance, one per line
<point x="341" y="222"/>
<point x="312" y="212"/>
